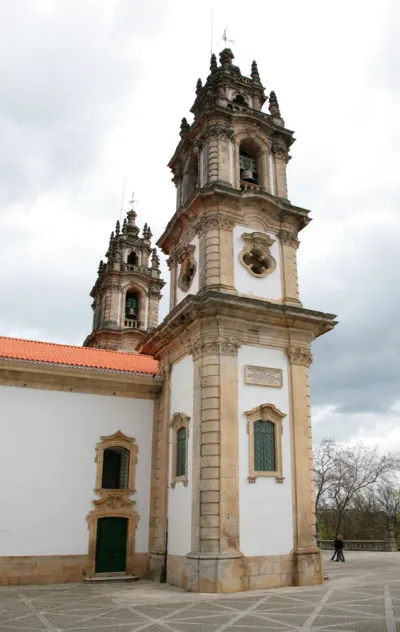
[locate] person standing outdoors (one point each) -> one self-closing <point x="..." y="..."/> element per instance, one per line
<point x="340" y="547"/>
<point x="335" y="546"/>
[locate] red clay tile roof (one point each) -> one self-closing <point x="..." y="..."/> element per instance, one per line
<point x="30" y="350"/>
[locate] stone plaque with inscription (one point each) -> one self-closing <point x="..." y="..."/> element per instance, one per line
<point x="263" y="376"/>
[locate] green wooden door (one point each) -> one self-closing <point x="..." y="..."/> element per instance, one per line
<point x="111" y="545"/>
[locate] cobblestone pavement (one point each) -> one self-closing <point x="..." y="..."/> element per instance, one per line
<point x="362" y="594"/>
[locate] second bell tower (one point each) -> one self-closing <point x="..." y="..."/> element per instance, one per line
<point x="127" y="291"/>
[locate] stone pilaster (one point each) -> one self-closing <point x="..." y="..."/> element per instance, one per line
<point x="154" y="302"/>
<point x="264" y="170"/>
<point x="224" y="160"/>
<point x="215" y="563"/>
<point x="289" y="245"/>
<point x="107" y="309"/>
<point x="308" y="568"/>
<point x="213" y="159"/>
<point x="159" y="483"/>
<point x="173" y="268"/>
<point x="216" y="252"/>
<point x="281" y="158"/>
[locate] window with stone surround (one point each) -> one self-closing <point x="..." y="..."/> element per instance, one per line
<point x="116" y="458"/>
<point x="179" y="426"/>
<point x="256" y="255"/>
<point x="264" y="427"/>
<point x="188" y="268"/>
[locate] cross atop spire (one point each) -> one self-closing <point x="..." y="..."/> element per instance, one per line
<point x="132" y="201"/>
<point x="225" y="38"/>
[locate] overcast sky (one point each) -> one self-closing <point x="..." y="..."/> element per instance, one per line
<point x="93" y="91"/>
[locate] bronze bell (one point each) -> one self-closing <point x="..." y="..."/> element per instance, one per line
<point x="248" y="168"/>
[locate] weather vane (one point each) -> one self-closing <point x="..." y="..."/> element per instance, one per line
<point x="132" y="201"/>
<point x="225" y="38"/>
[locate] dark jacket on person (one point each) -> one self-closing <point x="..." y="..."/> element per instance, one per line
<point x="339" y="544"/>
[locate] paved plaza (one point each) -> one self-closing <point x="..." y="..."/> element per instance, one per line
<point x="362" y="594"/>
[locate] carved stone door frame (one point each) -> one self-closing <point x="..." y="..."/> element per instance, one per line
<point x="112" y="505"/>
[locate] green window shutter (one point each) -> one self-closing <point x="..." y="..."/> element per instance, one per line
<point x="264" y="446"/>
<point x="181" y="452"/>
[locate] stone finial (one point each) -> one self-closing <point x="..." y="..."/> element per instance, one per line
<point x="225" y="58"/>
<point x="199" y="86"/>
<point x="101" y="267"/>
<point x="110" y="245"/>
<point x="254" y="72"/>
<point x="185" y="127"/>
<point x="213" y="64"/>
<point x="149" y="233"/>
<point x="274" y="105"/>
<point x="117" y="228"/>
<point x="155" y="260"/>
<point x="124" y="226"/>
<point x="131" y="225"/>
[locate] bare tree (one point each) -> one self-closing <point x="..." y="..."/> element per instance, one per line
<point x="343" y="474"/>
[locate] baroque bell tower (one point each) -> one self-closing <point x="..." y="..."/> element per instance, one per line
<point x="127" y="291"/>
<point x="232" y="468"/>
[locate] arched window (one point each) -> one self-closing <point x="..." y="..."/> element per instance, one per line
<point x="264" y="446"/>
<point x="132" y="306"/>
<point x="250" y="163"/>
<point x="132" y="259"/>
<point x="115" y="468"/>
<point x="240" y="100"/>
<point x="179" y="425"/>
<point x="181" y="452"/>
<point x="248" y="168"/>
<point x="264" y="426"/>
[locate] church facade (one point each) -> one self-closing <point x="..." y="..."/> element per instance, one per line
<point x="179" y="452"/>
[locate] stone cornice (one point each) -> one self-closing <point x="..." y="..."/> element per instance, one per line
<point x="235" y="200"/>
<point x="208" y="305"/>
<point x="225" y="118"/>
<point x="74" y="379"/>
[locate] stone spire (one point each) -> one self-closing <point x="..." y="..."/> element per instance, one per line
<point x="213" y="64"/>
<point x="274" y="105"/>
<point x="254" y="72"/>
<point x="185" y="127"/>
<point x="224" y="81"/>
<point x="199" y="86"/>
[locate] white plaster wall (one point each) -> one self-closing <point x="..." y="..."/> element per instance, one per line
<point x="47" y="468"/>
<point x="180" y="498"/>
<point x="266" y="518"/>
<point x="194" y="288"/>
<point x="269" y="287"/>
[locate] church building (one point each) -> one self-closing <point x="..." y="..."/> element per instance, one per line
<point x="179" y="451"/>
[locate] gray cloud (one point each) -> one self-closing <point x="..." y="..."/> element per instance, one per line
<point x="93" y="91"/>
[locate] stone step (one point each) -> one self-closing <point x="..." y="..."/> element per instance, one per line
<point x="110" y="578"/>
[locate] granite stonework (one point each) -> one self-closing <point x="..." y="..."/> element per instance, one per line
<point x="57" y="569"/>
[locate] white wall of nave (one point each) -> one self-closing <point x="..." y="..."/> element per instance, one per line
<point x="266" y="520"/>
<point x="47" y="457"/>
<point x="269" y="287"/>
<point x="180" y="497"/>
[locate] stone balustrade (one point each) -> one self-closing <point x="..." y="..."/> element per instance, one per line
<point x="361" y="545"/>
<point x="132" y="324"/>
